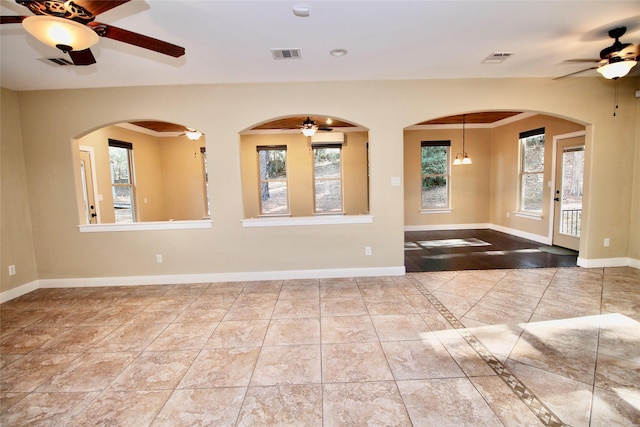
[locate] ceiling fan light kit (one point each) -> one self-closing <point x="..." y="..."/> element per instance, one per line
<point x="616" y="67"/>
<point x="61" y="33"/>
<point x="309" y="127"/>
<point x="193" y="134"/>
<point x="72" y="28"/>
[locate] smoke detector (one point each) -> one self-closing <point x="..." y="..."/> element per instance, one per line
<point x="301" y="11"/>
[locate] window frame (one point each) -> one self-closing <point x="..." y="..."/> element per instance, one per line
<point x="523" y="174"/>
<point x="315" y="179"/>
<point x="447" y="175"/>
<point x="260" y="148"/>
<point x="131" y="185"/>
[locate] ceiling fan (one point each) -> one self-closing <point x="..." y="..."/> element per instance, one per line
<point x="71" y="27"/>
<point x="615" y="61"/>
<point x="309" y="127"/>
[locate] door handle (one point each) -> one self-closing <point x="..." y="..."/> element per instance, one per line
<point x="557" y="199"/>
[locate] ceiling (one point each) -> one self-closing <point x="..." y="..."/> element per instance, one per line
<point x="230" y="41"/>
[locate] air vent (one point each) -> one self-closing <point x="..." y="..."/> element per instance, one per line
<point x="497" y="57"/>
<point x="286" y="53"/>
<point x="62" y="62"/>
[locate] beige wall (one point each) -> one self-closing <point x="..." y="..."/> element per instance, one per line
<point x="182" y="178"/>
<point x="300" y="172"/>
<point x="222" y="111"/>
<point x="16" y="238"/>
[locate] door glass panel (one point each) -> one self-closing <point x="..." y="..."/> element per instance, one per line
<point x="571" y="197"/>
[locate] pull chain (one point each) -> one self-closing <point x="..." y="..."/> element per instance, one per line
<point x="616" y="99"/>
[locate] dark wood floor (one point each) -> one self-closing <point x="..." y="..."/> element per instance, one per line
<point x="476" y="250"/>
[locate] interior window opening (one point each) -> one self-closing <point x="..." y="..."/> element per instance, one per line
<point x="321" y="175"/>
<point x="141" y="171"/>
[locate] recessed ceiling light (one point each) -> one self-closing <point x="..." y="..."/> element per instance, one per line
<point x="338" y="52"/>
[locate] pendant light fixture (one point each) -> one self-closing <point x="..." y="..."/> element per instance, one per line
<point x="462" y="158"/>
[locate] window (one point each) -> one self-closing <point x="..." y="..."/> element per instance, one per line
<point x="531" y="170"/>
<point x="121" y="158"/>
<point x="327" y="173"/>
<point x="207" y="203"/>
<point x="435" y="174"/>
<point x="274" y="199"/>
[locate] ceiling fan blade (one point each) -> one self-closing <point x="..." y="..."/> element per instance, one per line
<point x="97" y="7"/>
<point x="583" y="60"/>
<point x="629" y="52"/>
<point x="82" y="57"/>
<point x="574" y="73"/>
<point x="136" y="39"/>
<point x="11" y="19"/>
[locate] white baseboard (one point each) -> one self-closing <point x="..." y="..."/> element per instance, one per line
<point x="608" y="262"/>
<point x="440" y="227"/>
<point x="19" y="291"/>
<point x="221" y="277"/>
<point x="546" y="240"/>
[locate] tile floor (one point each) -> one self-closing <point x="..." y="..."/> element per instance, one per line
<point x="553" y="346"/>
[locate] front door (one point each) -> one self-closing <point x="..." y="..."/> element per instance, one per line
<point x="568" y="192"/>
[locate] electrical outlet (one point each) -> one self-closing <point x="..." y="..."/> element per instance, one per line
<point x="159" y="259"/>
<point x="12" y="270"/>
<point x="367" y="250"/>
<point x="606" y="242"/>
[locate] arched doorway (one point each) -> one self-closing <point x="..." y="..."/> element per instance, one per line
<point x="508" y="188"/>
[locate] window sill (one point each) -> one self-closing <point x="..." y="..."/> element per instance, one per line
<point x="307" y="220"/>
<point x="529" y="215"/>
<point x="435" y="211"/>
<point x="144" y="226"/>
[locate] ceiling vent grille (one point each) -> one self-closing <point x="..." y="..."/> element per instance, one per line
<point x="497" y="57"/>
<point x="62" y="62"/>
<point x="286" y="53"/>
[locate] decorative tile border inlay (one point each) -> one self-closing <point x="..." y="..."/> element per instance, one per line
<point x="527" y="396"/>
